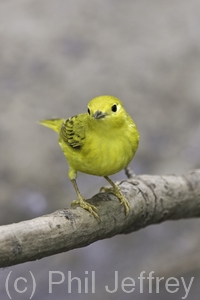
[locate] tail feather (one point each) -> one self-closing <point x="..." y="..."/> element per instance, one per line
<point x="54" y="124"/>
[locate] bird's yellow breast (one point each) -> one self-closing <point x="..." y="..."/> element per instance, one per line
<point x="103" y="153"/>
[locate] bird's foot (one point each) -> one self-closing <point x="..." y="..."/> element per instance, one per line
<point x="117" y="192"/>
<point x="87" y="206"/>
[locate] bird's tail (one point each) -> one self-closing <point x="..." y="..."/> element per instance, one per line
<point x="54" y="124"/>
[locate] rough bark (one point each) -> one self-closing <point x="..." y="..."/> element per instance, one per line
<point x="153" y="199"/>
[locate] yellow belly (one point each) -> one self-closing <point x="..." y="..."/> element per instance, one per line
<point x="103" y="157"/>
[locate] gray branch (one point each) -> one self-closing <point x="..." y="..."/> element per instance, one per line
<point x="153" y="199"/>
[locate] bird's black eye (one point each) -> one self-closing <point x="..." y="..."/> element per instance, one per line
<point x="88" y="111"/>
<point x="114" y="108"/>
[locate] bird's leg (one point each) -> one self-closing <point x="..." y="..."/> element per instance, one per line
<point x="116" y="191"/>
<point x="82" y="202"/>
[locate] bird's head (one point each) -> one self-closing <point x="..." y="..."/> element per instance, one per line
<point x="107" y="111"/>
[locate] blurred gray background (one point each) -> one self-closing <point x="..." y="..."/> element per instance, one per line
<point x="54" y="57"/>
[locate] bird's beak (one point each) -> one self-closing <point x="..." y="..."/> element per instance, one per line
<point x="99" y="114"/>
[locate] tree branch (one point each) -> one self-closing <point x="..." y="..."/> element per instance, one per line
<point x="153" y="199"/>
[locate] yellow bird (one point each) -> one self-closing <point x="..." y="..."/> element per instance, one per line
<point x="101" y="142"/>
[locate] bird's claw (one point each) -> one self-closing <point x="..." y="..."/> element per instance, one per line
<point x="117" y="192"/>
<point x="104" y="189"/>
<point x="87" y="206"/>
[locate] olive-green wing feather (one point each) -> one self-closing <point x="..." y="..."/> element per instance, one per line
<point x="73" y="131"/>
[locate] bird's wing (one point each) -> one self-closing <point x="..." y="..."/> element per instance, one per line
<point x="73" y="131"/>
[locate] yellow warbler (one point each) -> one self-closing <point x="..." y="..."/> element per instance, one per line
<point x="100" y="142"/>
